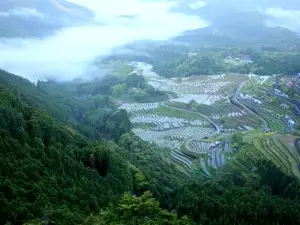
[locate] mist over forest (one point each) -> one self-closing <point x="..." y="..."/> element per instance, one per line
<point x="74" y="40"/>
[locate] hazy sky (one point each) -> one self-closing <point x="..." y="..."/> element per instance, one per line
<point x="284" y="17"/>
<point x="69" y="53"/>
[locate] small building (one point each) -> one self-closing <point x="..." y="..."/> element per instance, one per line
<point x="289" y="120"/>
<point x="291" y="123"/>
<point x="284" y="106"/>
<point x="257" y="101"/>
<point x="277" y="91"/>
<point x="248" y="96"/>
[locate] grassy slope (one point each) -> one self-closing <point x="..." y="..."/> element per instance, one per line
<point x="273" y="149"/>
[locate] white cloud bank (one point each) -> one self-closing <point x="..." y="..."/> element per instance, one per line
<point x="69" y="54"/>
<point x="283" y="17"/>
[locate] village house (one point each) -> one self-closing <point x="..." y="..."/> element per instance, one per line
<point x="284" y="106"/>
<point x="250" y="98"/>
<point x="289" y="120"/>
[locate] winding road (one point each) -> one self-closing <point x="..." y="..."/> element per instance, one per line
<point x="235" y="101"/>
<point x="216" y="126"/>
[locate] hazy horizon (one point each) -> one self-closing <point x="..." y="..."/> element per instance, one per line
<point x="70" y="52"/>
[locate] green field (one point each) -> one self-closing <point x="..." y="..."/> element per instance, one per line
<point x="171" y="112"/>
<point x="273" y="149"/>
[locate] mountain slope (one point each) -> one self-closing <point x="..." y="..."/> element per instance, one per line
<point x="52" y="174"/>
<point x="239" y="23"/>
<point x="46" y="171"/>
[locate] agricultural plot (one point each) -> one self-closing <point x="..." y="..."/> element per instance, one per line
<point x="169" y="128"/>
<point x="203" y="147"/>
<point x="160" y="123"/>
<point x="273" y="149"/>
<point x="230" y="117"/>
<point x="270" y="109"/>
<point x="203" y="89"/>
<point x="219" y="111"/>
<point x="184" y="160"/>
<point x="136" y="107"/>
<point x="163" y="137"/>
<point x="209" y="163"/>
<point x="196" y="134"/>
<point x="273" y="114"/>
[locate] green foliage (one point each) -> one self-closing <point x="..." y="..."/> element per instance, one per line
<point x="162" y="178"/>
<point x="119" y="90"/>
<point x="143" y="210"/>
<point x="257" y="193"/>
<point x="212" y="61"/>
<point x="47" y="170"/>
<point x="121" y="70"/>
<point x="139" y="94"/>
<point x="79" y="105"/>
<point x="136" y="81"/>
<point x="139" y="180"/>
<point x="51" y="172"/>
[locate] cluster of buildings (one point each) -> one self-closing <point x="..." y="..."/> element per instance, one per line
<point x="244" y="58"/>
<point x="297" y="77"/>
<point x="289" y="120"/>
<point x="250" y="98"/>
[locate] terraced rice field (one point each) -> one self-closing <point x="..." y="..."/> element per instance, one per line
<point x="184" y="160"/>
<point x="196" y="134"/>
<point x="168" y="128"/>
<point x="230" y="116"/>
<point x="176" y="129"/>
<point x="203" y="147"/>
<point x="274" y="116"/>
<point x="270" y="109"/>
<point x="274" y="150"/>
<point x="211" y="162"/>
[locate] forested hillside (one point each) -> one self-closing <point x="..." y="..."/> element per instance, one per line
<point x="46" y="167"/>
<point x="171" y="60"/>
<point x="60" y="168"/>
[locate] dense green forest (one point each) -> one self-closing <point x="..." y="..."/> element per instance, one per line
<point x="209" y="61"/>
<point x="68" y="157"/>
<point x="181" y="61"/>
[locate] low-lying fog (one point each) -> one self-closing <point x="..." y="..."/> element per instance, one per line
<point x="70" y="52"/>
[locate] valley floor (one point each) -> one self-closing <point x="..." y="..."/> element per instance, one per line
<point x="197" y="126"/>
